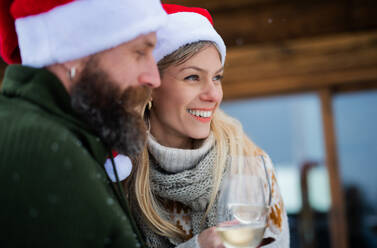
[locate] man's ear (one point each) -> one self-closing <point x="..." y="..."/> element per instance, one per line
<point x="75" y="67"/>
<point x="69" y="72"/>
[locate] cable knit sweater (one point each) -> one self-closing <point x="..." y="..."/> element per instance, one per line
<point x="177" y="173"/>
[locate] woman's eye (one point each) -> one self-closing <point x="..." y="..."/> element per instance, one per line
<point x="192" y="78"/>
<point x="218" y="78"/>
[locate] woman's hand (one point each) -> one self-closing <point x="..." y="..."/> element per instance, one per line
<point x="210" y="239"/>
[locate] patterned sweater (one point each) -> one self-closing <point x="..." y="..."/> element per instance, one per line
<point x="172" y="161"/>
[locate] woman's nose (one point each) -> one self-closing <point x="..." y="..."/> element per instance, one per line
<point x="212" y="92"/>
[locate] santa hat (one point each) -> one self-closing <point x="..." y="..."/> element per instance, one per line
<point x="186" y="25"/>
<point x="44" y="32"/>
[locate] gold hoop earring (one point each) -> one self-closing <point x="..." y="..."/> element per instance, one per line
<point x="148" y="125"/>
<point x="149" y="105"/>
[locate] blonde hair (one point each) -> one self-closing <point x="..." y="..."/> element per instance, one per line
<point x="230" y="140"/>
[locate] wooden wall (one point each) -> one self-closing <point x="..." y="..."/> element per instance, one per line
<point x="288" y="46"/>
<point x="242" y="22"/>
<point x="337" y="61"/>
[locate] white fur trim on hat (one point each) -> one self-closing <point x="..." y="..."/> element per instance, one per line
<point x="84" y="27"/>
<point x="184" y="28"/>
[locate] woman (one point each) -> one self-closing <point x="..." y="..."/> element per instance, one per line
<point x="177" y="180"/>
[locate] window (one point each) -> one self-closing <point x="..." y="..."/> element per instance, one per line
<point x="356" y="129"/>
<point x="289" y="129"/>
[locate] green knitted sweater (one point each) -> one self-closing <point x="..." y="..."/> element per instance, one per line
<point x="54" y="191"/>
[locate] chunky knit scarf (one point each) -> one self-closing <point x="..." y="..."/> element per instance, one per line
<point x="190" y="187"/>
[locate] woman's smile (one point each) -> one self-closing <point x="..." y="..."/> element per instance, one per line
<point x="201" y="114"/>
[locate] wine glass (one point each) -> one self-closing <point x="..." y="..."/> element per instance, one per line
<point x="244" y="201"/>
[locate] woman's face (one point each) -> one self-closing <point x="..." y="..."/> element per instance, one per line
<point x="189" y="94"/>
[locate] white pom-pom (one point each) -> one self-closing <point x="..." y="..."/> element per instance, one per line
<point x="123" y="166"/>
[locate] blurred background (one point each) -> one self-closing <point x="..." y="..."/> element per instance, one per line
<point x="301" y="76"/>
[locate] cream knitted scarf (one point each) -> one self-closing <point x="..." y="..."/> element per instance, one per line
<point x="191" y="187"/>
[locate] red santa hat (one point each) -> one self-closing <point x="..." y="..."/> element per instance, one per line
<point x="186" y="25"/>
<point x="44" y="32"/>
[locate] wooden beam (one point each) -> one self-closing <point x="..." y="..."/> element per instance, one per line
<point x="346" y="88"/>
<point x="338" y="223"/>
<point x="242" y="22"/>
<point x="280" y="21"/>
<point x="299" y="66"/>
<point x="306" y="219"/>
<point x="219" y="5"/>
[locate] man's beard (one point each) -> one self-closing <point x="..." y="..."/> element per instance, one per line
<point x="111" y="113"/>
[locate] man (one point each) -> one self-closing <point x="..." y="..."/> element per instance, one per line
<point x="87" y="65"/>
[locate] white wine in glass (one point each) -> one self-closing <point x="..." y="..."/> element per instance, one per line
<point x="249" y="235"/>
<point x="243" y="205"/>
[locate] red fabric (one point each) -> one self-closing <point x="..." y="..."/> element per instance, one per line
<point x="8" y="38"/>
<point x="113" y="153"/>
<point x="174" y="8"/>
<point x="13" y="9"/>
<point x="23" y="8"/>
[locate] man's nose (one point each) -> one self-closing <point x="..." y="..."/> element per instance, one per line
<point x="151" y="77"/>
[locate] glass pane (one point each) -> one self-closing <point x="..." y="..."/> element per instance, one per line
<point x="356" y="124"/>
<point x="319" y="189"/>
<point x="289" y="129"/>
